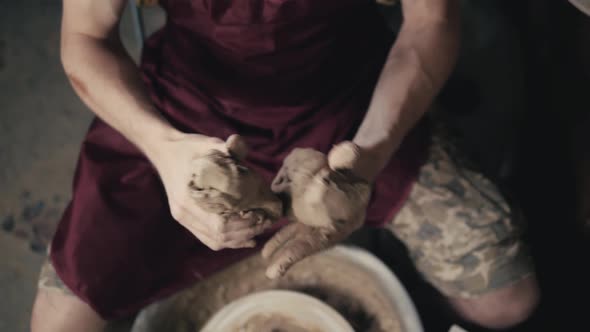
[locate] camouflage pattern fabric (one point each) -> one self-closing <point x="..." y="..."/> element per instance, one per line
<point x="49" y="280"/>
<point x="461" y="233"/>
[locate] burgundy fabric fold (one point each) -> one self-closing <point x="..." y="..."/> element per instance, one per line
<point x="281" y="73"/>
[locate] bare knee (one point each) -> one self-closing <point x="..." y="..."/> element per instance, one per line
<point x="502" y="308"/>
<point x="54" y="310"/>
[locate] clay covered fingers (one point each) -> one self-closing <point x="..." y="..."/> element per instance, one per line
<point x="221" y="186"/>
<point x="327" y="203"/>
<point x="299" y="167"/>
<point x="322" y="192"/>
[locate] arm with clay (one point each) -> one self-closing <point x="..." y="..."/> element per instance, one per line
<point x="329" y="196"/>
<point x="108" y="81"/>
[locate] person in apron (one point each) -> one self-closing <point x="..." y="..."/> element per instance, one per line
<point x="282" y="74"/>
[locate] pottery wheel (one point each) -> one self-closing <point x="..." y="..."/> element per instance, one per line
<point x="368" y="300"/>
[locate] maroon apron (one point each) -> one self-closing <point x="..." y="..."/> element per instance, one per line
<point x="281" y="73"/>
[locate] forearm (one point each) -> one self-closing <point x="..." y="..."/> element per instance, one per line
<point x="418" y="65"/>
<point x="108" y="81"/>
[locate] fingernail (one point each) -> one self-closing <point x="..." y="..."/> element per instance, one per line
<point x="271" y="273"/>
<point x="266" y="252"/>
<point x="275" y="271"/>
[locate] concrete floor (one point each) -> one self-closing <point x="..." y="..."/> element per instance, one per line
<point x="42" y="123"/>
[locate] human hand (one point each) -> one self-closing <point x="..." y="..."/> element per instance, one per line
<point x="328" y="203"/>
<point x="222" y="203"/>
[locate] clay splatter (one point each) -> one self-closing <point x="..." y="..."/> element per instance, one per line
<point x="8" y="223"/>
<point x="33" y="210"/>
<point x="36" y="222"/>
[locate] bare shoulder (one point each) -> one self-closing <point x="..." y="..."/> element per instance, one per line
<point x="95" y="18"/>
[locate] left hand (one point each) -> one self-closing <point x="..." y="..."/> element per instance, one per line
<point x="328" y="203"/>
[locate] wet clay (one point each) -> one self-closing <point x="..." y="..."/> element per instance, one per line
<point x="350" y="290"/>
<point x="273" y="323"/>
<point x="322" y="190"/>
<point x="220" y="184"/>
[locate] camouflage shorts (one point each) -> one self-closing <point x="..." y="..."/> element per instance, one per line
<point x="48" y="278"/>
<point x="461" y="234"/>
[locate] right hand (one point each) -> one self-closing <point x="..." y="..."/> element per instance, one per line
<point x="173" y="161"/>
<point x="328" y="203"/>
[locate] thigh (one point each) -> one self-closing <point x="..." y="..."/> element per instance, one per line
<point x="460" y="231"/>
<point x="56" y="308"/>
<point x="49" y="280"/>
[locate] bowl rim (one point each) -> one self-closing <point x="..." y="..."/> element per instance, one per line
<point x="407" y="314"/>
<point x="247" y="306"/>
<point x="397" y="293"/>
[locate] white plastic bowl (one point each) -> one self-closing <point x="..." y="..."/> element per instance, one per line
<point x="149" y="318"/>
<point x="397" y="294"/>
<point x="303" y="309"/>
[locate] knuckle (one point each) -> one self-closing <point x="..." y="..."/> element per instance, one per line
<point x="220" y="224"/>
<point x="282" y="268"/>
<point x="255" y="231"/>
<point x="176" y="211"/>
<point x="216" y="247"/>
<point x="217" y="229"/>
<point x="221" y="237"/>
